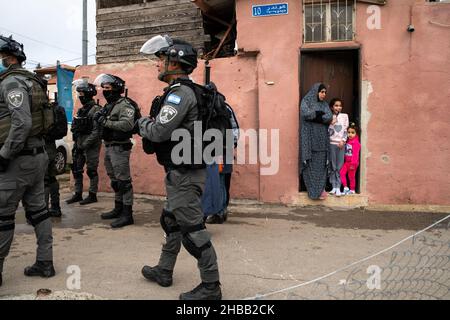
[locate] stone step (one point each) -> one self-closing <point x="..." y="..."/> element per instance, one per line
<point x="344" y="202"/>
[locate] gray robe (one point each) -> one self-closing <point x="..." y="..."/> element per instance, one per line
<point x="315" y="142"/>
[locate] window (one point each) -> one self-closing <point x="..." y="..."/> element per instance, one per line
<point x="327" y="20"/>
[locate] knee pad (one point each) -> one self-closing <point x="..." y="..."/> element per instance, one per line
<point x="192" y="248"/>
<point x="115" y="185"/>
<point x="195" y="248"/>
<point x="92" y="173"/>
<point x="168" y="229"/>
<point x="36" y="217"/>
<point x="125" y="185"/>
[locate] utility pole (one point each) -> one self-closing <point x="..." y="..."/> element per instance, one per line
<point x="85" y="34"/>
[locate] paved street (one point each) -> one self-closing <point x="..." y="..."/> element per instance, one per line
<point x="261" y="248"/>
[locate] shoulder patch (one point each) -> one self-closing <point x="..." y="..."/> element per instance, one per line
<point x="130" y="112"/>
<point x="173" y="98"/>
<point x="15" y="98"/>
<point x="167" y="114"/>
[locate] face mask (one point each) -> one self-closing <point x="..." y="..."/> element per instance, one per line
<point x="84" y="100"/>
<point x="111" y="96"/>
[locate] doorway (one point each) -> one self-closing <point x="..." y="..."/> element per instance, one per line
<point x="339" y="70"/>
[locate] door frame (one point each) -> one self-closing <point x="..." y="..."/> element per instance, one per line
<point x="359" y="87"/>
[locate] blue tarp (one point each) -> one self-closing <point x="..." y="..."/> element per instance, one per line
<point x="65" y="79"/>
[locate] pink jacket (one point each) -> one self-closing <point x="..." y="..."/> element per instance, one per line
<point x="352" y="149"/>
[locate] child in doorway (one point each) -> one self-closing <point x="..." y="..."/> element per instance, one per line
<point x="352" y="149"/>
<point x="338" y="138"/>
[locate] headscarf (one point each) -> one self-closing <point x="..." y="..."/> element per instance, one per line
<point x="313" y="135"/>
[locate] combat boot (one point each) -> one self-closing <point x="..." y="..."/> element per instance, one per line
<point x="91" y="198"/>
<point x="125" y="219"/>
<point x="55" y="211"/>
<point x="77" y="197"/>
<point x="159" y="275"/>
<point x="43" y="269"/>
<point x="214" y="219"/>
<point x="204" y="291"/>
<point x="115" y="213"/>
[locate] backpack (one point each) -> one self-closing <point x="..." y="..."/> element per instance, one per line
<point x="215" y="112"/>
<point x="59" y="128"/>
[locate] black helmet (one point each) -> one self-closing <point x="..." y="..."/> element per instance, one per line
<point x="117" y="83"/>
<point x="82" y="85"/>
<point x="176" y="49"/>
<point x="12" y="47"/>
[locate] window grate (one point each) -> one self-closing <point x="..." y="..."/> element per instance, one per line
<point x="329" y="20"/>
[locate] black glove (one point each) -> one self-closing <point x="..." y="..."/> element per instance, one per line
<point x="156" y="107"/>
<point x="319" y="117"/>
<point x="4" y="163"/>
<point x="100" y="118"/>
<point x="136" y="128"/>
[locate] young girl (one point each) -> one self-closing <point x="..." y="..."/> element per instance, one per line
<point x="352" y="149"/>
<point x="338" y="138"/>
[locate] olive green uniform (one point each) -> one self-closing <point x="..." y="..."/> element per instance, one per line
<point x="23" y="179"/>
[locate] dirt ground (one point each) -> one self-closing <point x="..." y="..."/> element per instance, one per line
<point x="261" y="248"/>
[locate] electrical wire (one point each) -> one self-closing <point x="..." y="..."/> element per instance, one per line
<point x="38" y="41"/>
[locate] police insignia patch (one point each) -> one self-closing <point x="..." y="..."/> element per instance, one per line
<point x="168" y="113"/>
<point x="15" y="98"/>
<point x="173" y="98"/>
<point x="130" y="113"/>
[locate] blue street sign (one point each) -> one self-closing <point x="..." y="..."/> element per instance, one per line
<point x="274" y="9"/>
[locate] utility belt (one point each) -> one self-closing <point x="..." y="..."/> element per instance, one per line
<point x="184" y="168"/>
<point x="126" y="146"/>
<point x="31" y="152"/>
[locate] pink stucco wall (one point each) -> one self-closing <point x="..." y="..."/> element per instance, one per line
<point x="278" y="40"/>
<point x="236" y="78"/>
<point x="408" y="138"/>
<point x="407" y="113"/>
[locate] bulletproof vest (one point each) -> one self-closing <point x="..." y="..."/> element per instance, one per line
<point x="164" y="149"/>
<point x="111" y="134"/>
<point x="82" y="124"/>
<point x="41" y="111"/>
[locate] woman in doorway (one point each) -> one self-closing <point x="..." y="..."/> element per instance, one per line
<point x="315" y="118"/>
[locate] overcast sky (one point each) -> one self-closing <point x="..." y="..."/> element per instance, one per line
<point x="50" y="30"/>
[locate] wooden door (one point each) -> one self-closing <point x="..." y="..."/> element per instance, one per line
<point x="338" y="71"/>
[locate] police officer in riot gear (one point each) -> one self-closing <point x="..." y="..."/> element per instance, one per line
<point x="22" y="156"/>
<point x="182" y="217"/>
<point x="87" y="142"/>
<point x="117" y="119"/>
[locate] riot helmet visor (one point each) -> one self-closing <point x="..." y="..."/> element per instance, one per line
<point x="103" y="79"/>
<point x="80" y="85"/>
<point x="156" y="45"/>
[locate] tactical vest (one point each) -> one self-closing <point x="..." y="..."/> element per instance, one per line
<point x="42" y="117"/>
<point x="111" y="134"/>
<point x="164" y="149"/>
<point x="82" y="124"/>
